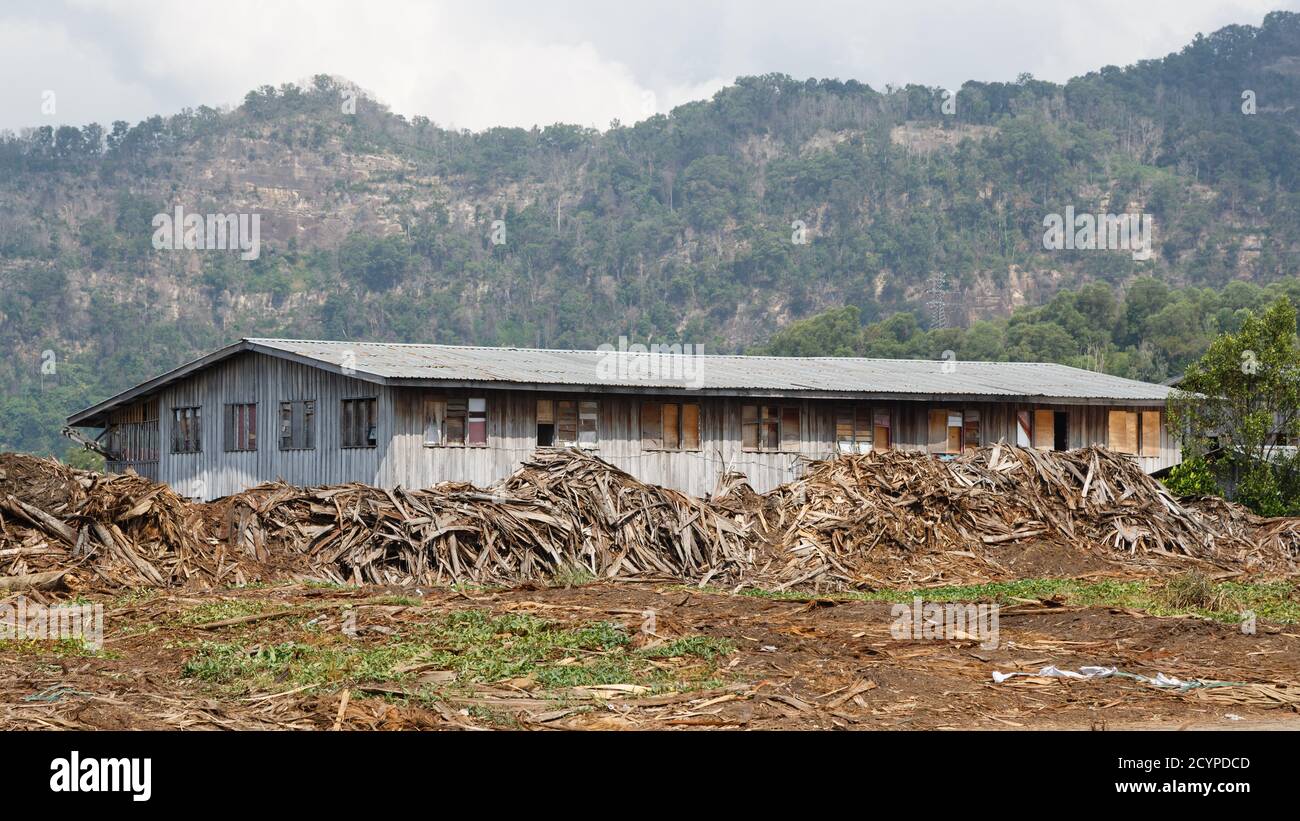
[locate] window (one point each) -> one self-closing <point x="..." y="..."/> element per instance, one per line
<point x="1044" y="429"/>
<point x="241" y="426"/>
<point x="1122" y="431"/>
<point x="187" y="430"/>
<point x="545" y="423"/>
<point x="455" y="422"/>
<point x="587" y="424"/>
<point x="853" y="429"/>
<point x="454" y="430"/>
<point x="770" y="428"/>
<point x="477" y="421"/>
<point x="357" y="424"/>
<point x="435" y="421"/>
<point x="1150" y="433"/>
<point x="566" y="423"/>
<point x="1134" y="432"/>
<point x="971" y="433"/>
<point x="946" y="428"/>
<point x="670" y="426"/>
<point x="881" y="435"/>
<point x="298" y="425"/>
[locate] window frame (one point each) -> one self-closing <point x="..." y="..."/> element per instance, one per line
<point x="861" y="421"/>
<point x="456" y="414"/>
<point x="370" y="436"/>
<point x="1137" y="418"/>
<point x="230" y="423"/>
<point x="307" y="429"/>
<point x="971" y="421"/>
<point x="945" y="448"/>
<point x="764" y="422"/>
<point x="679" y="415"/>
<point x="194" y="420"/>
<point x="1128" y="415"/>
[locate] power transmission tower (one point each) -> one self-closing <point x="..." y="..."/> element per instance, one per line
<point x="937" y="291"/>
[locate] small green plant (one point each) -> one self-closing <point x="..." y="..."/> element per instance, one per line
<point x="1194" y="591"/>
<point x="571" y="575"/>
<point x="1277" y="601"/>
<point x="706" y="647"/>
<point x="1192" y="477"/>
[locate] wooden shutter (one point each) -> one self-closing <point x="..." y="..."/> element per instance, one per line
<point x="1122" y="433"/>
<point x="652" y="428"/>
<point x="881" y="436"/>
<point x="1023" y="428"/>
<point x="938" y="441"/>
<point x="672" y="430"/>
<point x="749" y="427"/>
<point x="844" y="432"/>
<point x="690" y="427"/>
<point x="1150" y="433"/>
<point x="791" y="435"/>
<point x="345" y="423"/>
<point x="1044" y="429"/>
<point x="971" y="434"/>
<point x="566" y="424"/>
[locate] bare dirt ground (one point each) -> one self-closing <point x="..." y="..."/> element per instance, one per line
<point x="626" y="656"/>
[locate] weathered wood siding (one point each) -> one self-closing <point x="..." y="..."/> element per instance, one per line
<point x="401" y="456"/>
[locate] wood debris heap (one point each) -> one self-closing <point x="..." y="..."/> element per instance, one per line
<point x="844" y="509"/>
<point x="561" y="513"/>
<point x="568" y="514"/>
<point x="122" y="530"/>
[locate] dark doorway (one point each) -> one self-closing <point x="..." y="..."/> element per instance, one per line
<point x="1061" y="430"/>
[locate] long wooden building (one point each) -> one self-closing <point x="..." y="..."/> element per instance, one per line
<point x="320" y="412"/>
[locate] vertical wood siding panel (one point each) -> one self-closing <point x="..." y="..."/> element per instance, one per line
<point x="401" y="458"/>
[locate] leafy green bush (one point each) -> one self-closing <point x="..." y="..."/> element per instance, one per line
<point x="1193" y="477"/>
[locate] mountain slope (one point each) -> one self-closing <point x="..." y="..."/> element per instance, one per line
<point x="683" y="227"/>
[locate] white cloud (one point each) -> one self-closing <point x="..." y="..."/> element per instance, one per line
<point x="500" y="63"/>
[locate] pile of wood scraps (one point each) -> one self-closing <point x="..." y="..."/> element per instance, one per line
<point x="904" y="505"/>
<point x="120" y="530"/>
<point x="566" y="514"/>
<point x="561" y="513"/>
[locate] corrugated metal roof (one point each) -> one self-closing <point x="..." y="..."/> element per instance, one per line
<point x="395" y="363"/>
<point x="531" y="366"/>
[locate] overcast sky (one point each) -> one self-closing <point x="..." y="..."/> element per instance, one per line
<point x="477" y="63"/>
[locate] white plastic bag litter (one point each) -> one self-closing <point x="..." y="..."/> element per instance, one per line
<point x="1091" y="672"/>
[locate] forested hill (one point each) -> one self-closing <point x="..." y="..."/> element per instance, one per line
<point x="718" y="224"/>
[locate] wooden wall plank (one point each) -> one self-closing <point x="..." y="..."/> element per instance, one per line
<point x="401" y="457"/>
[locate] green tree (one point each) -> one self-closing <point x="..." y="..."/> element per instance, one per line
<point x="832" y="333"/>
<point x="1243" y="398"/>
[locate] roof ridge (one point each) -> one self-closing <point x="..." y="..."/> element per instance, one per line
<point x="661" y="353"/>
